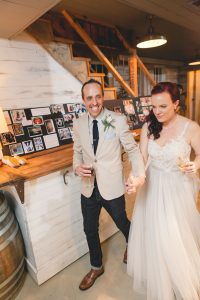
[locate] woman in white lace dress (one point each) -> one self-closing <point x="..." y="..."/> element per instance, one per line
<point x="164" y="241"/>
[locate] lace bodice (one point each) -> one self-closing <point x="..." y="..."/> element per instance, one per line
<point x="166" y="157"/>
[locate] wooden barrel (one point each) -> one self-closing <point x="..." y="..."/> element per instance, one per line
<point x="11" y="253"/>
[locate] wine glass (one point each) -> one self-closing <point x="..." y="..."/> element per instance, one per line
<point x="91" y="168"/>
<point x="182" y="161"/>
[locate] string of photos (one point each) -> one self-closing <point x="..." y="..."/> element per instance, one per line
<point x="38" y="129"/>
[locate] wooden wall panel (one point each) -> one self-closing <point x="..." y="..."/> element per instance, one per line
<point x="30" y="77"/>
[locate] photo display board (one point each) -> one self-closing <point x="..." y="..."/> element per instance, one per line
<point x="36" y="129"/>
<point x="136" y="110"/>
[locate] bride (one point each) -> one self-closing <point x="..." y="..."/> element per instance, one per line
<point x="164" y="240"/>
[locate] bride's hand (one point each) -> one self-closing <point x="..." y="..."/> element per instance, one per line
<point x="189" y="167"/>
<point x="133" y="183"/>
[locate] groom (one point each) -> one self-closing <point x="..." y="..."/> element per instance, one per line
<point x="98" y="138"/>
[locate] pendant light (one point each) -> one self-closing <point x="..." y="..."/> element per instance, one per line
<point x="196" y="60"/>
<point x="152" y="39"/>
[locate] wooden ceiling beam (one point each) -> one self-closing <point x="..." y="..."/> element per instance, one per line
<point x="98" y="53"/>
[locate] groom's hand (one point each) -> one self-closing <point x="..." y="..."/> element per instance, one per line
<point x="83" y="170"/>
<point x="133" y="183"/>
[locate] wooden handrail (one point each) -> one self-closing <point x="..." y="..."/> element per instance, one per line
<point x="145" y="71"/>
<point x="132" y="51"/>
<point x="98" y="52"/>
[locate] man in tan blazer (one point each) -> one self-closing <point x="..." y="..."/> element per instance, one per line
<point x="98" y="138"/>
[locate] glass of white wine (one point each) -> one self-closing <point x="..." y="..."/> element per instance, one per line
<point x="182" y="161"/>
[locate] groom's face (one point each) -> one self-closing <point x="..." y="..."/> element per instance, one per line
<point x="93" y="99"/>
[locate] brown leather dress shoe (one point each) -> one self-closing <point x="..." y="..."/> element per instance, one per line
<point x="90" y="278"/>
<point x="125" y="256"/>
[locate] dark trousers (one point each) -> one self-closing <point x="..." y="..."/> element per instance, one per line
<point x="91" y="208"/>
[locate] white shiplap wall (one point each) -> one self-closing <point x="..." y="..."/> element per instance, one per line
<point x="30" y="77"/>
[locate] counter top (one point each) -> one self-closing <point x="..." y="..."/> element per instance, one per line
<point x="44" y="163"/>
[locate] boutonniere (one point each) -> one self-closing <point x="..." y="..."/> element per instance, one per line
<point x="107" y="122"/>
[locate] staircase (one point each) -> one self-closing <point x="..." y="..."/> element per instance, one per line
<point x="62" y="51"/>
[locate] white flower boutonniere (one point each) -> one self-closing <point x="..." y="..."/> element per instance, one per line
<point x="107" y="122"/>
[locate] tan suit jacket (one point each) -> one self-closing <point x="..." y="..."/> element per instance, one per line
<point x="107" y="161"/>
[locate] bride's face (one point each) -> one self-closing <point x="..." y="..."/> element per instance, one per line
<point x="163" y="107"/>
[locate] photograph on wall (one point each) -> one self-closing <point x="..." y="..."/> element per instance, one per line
<point x="40" y="111"/>
<point x="128" y="107"/>
<point x="79" y="108"/>
<point x="117" y="109"/>
<point x="49" y="126"/>
<point x="51" y="141"/>
<point x="7" y="138"/>
<point x="143" y="107"/>
<point x="18" y="129"/>
<point x="37" y="121"/>
<point x="28" y="146"/>
<point x="68" y="118"/>
<point x="57" y="109"/>
<point x="16" y="149"/>
<point x="71" y="107"/>
<point x="38" y="143"/>
<point x="34" y="131"/>
<point x="18" y="115"/>
<point x="130" y="112"/>
<point x="10" y="129"/>
<point x="7" y="117"/>
<point x="64" y="134"/>
<point x="60" y="122"/>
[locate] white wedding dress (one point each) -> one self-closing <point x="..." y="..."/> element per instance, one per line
<point x="164" y="240"/>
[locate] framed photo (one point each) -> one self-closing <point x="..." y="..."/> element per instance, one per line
<point x="18" y="129"/>
<point x="16" y="149"/>
<point x="64" y="134"/>
<point x="38" y="143"/>
<point x="79" y="108"/>
<point x="10" y="129"/>
<point x="71" y="107"/>
<point x="68" y="118"/>
<point x="7" y="117"/>
<point x="7" y="138"/>
<point x="18" y="115"/>
<point x="49" y="126"/>
<point x="28" y="146"/>
<point x="37" y="121"/>
<point x="60" y="122"/>
<point x="34" y="131"/>
<point x="117" y="109"/>
<point x="57" y="109"/>
<point x="143" y="107"/>
<point x="128" y="107"/>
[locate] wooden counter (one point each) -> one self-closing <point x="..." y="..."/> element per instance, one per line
<point x="44" y="163"/>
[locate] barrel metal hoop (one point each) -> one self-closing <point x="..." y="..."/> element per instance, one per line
<point x="3" y="207"/>
<point x="2" y="217"/>
<point x="10" y="238"/>
<point x="3" y="284"/>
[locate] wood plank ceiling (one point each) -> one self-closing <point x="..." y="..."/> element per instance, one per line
<point x="16" y="15"/>
<point x="179" y="20"/>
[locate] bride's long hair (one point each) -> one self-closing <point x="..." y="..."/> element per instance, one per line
<point x="155" y="127"/>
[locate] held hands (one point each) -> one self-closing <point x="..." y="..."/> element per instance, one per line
<point x="133" y="183"/>
<point x="84" y="170"/>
